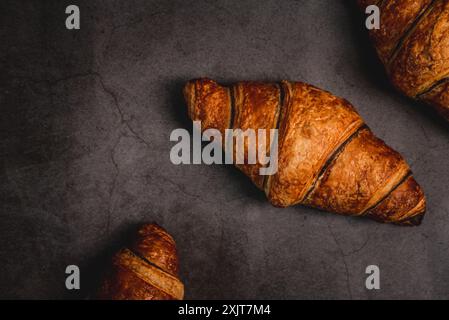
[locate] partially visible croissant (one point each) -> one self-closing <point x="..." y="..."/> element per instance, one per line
<point x="327" y="157"/>
<point x="146" y="270"/>
<point x="413" y="44"/>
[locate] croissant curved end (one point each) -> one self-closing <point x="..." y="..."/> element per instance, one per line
<point x="189" y="96"/>
<point x="405" y="205"/>
<point x="208" y="102"/>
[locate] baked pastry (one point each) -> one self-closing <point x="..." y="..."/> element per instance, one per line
<point x="146" y="270"/>
<point x="413" y="44"/>
<point x="327" y="157"/>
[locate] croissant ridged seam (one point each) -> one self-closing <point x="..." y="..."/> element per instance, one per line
<point x="146" y="270"/>
<point x="413" y="44"/>
<point x="327" y="157"/>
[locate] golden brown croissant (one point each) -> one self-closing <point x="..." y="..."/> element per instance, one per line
<point x="327" y="157"/>
<point x="413" y="44"/>
<point x="146" y="270"/>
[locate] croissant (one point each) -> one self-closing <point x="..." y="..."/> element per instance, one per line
<point x="413" y="44"/>
<point x="146" y="270"/>
<point x="327" y="157"/>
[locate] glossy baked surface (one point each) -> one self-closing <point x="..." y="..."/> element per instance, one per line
<point x="327" y="157"/>
<point x="313" y="126"/>
<point x="255" y="106"/>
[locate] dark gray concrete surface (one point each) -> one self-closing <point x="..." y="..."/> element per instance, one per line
<point x="85" y="119"/>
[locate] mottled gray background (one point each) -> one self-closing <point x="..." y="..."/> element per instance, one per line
<point x="85" y="122"/>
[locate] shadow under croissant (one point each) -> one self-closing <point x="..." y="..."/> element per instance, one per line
<point x="179" y="114"/>
<point x="145" y="269"/>
<point x="101" y="261"/>
<point x="409" y="222"/>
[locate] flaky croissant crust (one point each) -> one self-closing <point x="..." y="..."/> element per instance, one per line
<point x="146" y="270"/>
<point x="413" y="44"/>
<point x="327" y="157"/>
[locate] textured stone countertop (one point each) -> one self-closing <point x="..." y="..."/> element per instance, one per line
<point x="85" y="122"/>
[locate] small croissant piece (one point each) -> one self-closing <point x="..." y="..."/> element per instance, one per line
<point x="146" y="270"/>
<point x="413" y="44"/>
<point x="327" y="157"/>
